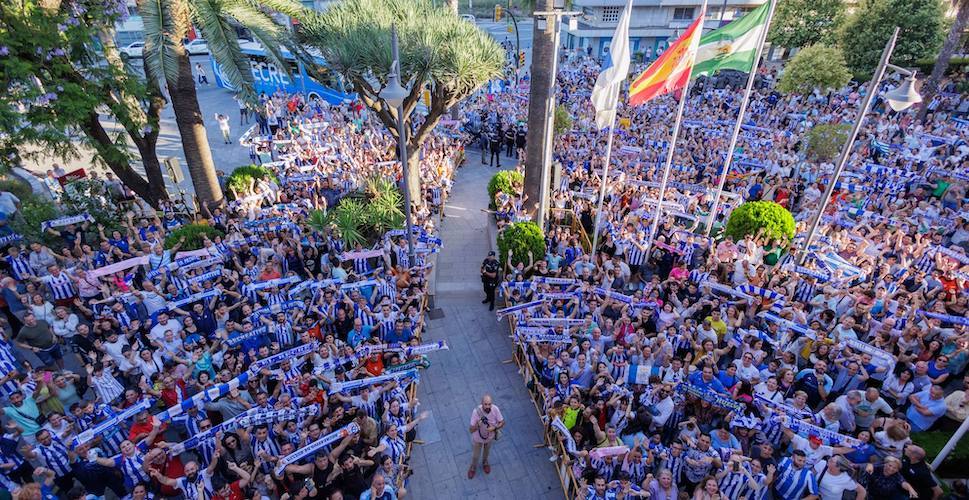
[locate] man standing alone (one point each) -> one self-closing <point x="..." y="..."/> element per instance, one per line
<point x="489" y="279"/>
<point x="486" y="421"/>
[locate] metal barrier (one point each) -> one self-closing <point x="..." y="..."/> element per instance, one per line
<point x="563" y="469"/>
<point x="411" y="394"/>
<point x="566" y="217"/>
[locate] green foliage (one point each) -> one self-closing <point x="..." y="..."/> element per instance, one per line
<point x="317" y="221"/>
<point x="563" y="120"/>
<point x="363" y="217"/>
<point x="54" y="79"/>
<point x="194" y="234"/>
<point x="506" y="181"/>
<point x="384" y="210"/>
<point x="801" y="23"/>
<point x="92" y="196"/>
<point x="348" y="219"/>
<point x="825" y="141"/>
<point x="957" y="65"/>
<point x="17" y="187"/>
<point x="868" y="29"/>
<point x="34" y="211"/>
<point x="934" y="441"/>
<point x="521" y="238"/>
<point x="750" y="217"/>
<point x="816" y="67"/>
<point x="243" y="177"/>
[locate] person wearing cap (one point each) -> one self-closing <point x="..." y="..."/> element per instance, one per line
<point x="489" y="279"/>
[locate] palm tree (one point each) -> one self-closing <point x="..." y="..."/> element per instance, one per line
<point x="167" y="23"/>
<point x="540" y="89"/>
<point x="439" y="53"/>
<point x="949" y="47"/>
<point x="453" y="5"/>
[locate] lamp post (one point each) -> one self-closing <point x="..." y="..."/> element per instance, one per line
<point x="394" y="94"/>
<point x="899" y="99"/>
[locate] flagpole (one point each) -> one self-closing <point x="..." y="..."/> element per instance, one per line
<point x="672" y="146"/>
<point x="605" y="180"/>
<point x="740" y="117"/>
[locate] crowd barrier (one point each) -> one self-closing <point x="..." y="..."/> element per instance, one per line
<point x="566" y="217"/>
<point x="411" y="394"/>
<point x="563" y="468"/>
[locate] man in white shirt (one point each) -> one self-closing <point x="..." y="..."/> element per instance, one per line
<point x="64" y="323"/>
<point x="164" y="324"/>
<point x="834" y="480"/>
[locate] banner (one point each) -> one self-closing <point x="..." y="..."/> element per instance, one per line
<point x="277" y="283"/>
<point x="278" y="308"/>
<point x="111" y="422"/>
<point x="312" y="448"/>
<point x="878" y="357"/>
<point x="554" y="281"/>
<point x="946" y="318"/>
<point x="639" y="374"/>
<point x="714" y="398"/>
<point x="211" y="261"/>
<point x="421" y="363"/>
<point x="788" y="324"/>
<point x="608" y="451"/>
<point x="545" y="338"/>
<point x="366" y="382"/>
<point x="553" y="322"/>
<point x="276" y="416"/>
<point x="501" y="313"/>
<point x="625" y="299"/>
<point x="66" y="221"/>
<point x="194" y="298"/>
<point x="118" y="266"/>
<point x="363" y="254"/>
<point x="240" y="338"/>
<point x="10" y="238"/>
<point x="559" y="426"/>
<point x="293" y="353"/>
<point x="713" y="285"/>
<point x="805" y="429"/>
<point x="211" y="275"/>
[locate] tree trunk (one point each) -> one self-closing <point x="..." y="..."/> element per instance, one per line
<point x="542" y="84"/>
<point x="453" y="5"/>
<point x="191" y="128"/>
<point x="931" y="86"/>
<point x="414" y="176"/>
<point x="105" y="144"/>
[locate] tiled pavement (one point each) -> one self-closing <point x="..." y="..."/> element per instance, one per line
<point x="474" y="365"/>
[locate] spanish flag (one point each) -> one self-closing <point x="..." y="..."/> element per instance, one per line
<point x="671" y="71"/>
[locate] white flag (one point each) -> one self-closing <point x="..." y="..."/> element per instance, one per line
<point x="605" y="94"/>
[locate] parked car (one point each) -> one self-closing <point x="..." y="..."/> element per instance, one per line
<point x="133" y="49"/>
<point x="469" y="18"/>
<point x="197" y="47"/>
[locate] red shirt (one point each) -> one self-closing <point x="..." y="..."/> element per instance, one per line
<point x="236" y="493"/>
<point x="171" y="396"/>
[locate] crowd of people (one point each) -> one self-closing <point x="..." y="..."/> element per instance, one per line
<point x="275" y="360"/>
<point x="678" y="365"/>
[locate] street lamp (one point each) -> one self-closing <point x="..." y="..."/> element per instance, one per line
<point x="394" y="94"/>
<point x="899" y="99"/>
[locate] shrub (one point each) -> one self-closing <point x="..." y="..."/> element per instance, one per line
<point x="17" y="187"/>
<point x="521" y="238"/>
<point x="507" y="181"/>
<point x="816" y="67"/>
<point x="956" y="65"/>
<point x="241" y="178"/>
<point x="348" y="219"/>
<point x="34" y="211"/>
<point x="825" y="141"/>
<point x="750" y="217"/>
<point x="194" y="235"/>
<point x="92" y="197"/>
<point x="563" y="120"/>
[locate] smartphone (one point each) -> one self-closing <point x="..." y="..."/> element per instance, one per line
<point x="736" y="466"/>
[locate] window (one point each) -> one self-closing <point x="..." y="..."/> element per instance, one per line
<point x="683" y="14"/>
<point x="611" y="14"/>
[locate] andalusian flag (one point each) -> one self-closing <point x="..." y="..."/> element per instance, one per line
<point x="671" y="72"/>
<point x="734" y="45"/>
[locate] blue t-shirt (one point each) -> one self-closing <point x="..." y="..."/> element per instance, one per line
<point x="922" y="422"/>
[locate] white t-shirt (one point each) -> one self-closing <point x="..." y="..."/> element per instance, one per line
<point x="832" y="487"/>
<point x="158" y="331"/>
<point x="814" y="455"/>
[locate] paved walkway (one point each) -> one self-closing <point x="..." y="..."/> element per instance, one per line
<point x="456" y="380"/>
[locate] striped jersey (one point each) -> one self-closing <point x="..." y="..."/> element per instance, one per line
<point x="60" y="286"/>
<point x="791" y="483"/>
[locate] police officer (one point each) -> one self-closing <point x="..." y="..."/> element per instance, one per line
<point x="520" y="137"/>
<point x="510" y="141"/>
<point x="494" y="142"/>
<point x="489" y="279"/>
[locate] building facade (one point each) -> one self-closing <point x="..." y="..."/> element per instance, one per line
<point x="654" y="23"/>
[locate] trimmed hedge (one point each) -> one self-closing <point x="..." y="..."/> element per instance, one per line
<point x="750" y="217"/>
<point x="506" y="181"/>
<point x="194" y="235"/>
<point x="521" y="238"/>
